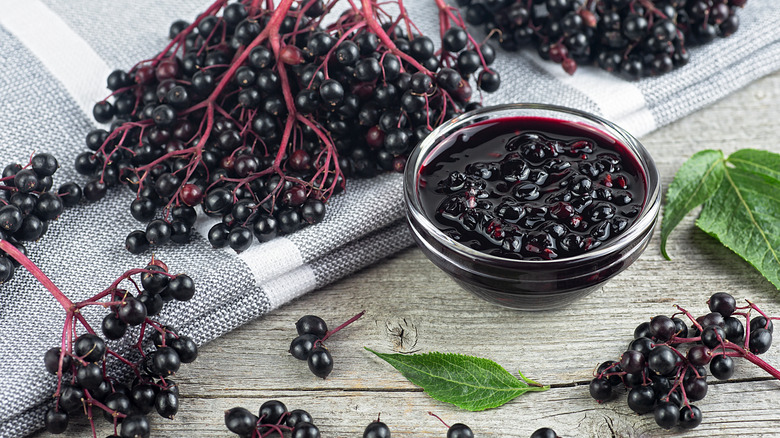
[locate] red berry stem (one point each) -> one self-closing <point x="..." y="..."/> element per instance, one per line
<point x="741" y="351"/>
<point x="439" y="418"/>
<point x="346" y="323"/>
<point x="17" y="255"/>
<point x="272" y="429"/>
<point x="373" y="24"/>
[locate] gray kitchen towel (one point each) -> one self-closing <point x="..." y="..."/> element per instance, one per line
<point x="54" y="58"/>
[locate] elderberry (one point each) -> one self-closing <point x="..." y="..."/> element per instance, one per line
<point x="311" y="324"/>
<point x="459" y="430"/>
<point x="320" y="361"/>
<point x="544" y="432"/>
<point x="134" y="426"/>
<point x="376" y="429"/>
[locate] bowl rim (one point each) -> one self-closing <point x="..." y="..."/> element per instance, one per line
<point x="644" y="223"/>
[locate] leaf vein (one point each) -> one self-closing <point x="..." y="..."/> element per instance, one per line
<point x="751" y="217"/>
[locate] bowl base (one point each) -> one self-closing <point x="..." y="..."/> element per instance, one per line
<point x="529" y="302"/>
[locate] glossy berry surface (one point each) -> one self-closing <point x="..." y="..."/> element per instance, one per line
<point x="90" y="347"/>
<point x="56" y="421"/>
<point x="301" y="346"/>
<point x="641" y="399"/>
<point x="135" y="426"/>
<point x="320" y="361"/>
<point x="600" y="389"/>
<point x="662" y="328"/>
<point x="722" y="303"/>
<point x="313" y="325"/>
<point x="305" y="430"/>
<point x="298" y="416"/>
<point x="722" y="367"/>
<point x="240" y="421"/>
<point x="666" y="415"/>
<point x="690" y="417"/>
<point x="376" y="429"/>
<point x="531" y="188"/>
<point x="544" y="432"/>
<point x="459" y="430"/>
<point x="272" y="411"/>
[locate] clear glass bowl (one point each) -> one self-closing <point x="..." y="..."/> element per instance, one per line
<point x="530" y="284"/>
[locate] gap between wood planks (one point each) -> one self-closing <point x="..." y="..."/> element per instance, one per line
<point x="418" y="390"/>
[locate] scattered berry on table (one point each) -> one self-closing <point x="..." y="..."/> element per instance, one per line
<point x="273" y="419"/>
<point x="544" y="432"/>
<point x="376" y="429"/>
<point x="457" y="430"/>
<point x="308" y="345"/>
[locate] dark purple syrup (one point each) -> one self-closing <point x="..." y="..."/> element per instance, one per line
<point x="532" y="188"/>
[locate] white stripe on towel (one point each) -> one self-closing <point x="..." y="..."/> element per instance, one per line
<point x="61" y="50"/>
<point x="620" y="100"/>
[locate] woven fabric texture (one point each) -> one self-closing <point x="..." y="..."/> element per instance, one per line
<point x="49" y="50"/>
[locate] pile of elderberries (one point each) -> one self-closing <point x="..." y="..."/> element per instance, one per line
<point x="258" y="113"/>
<point x="663" y="378"/>
<point x="28" y="204"/>
<point x="635" y="38"/>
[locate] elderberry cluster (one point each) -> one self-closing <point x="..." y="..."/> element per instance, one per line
<point x="635" y="38"/>
<point x="664" y="380"/>
<point x="259" y="115"/>
<point x="28" y="204"/>
<point x="308" y="345"/>
<point x="84" y="384"/>
<point x="272" y="420"/>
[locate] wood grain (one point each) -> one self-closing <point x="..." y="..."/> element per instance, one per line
<point x="412" y="306"/>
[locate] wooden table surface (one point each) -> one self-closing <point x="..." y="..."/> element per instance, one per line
<point x="411" y="306"/>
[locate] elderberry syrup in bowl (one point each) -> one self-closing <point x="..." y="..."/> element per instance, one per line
<point x="531" y="206"/>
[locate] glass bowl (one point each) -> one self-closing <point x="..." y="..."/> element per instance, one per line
<point x="522" y="283"/>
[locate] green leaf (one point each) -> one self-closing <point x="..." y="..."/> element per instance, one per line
<point x="469" y="382"/>
<point x="753" y="160"/>
<point x="695" y="182"/>
<point x="744" y="214"/>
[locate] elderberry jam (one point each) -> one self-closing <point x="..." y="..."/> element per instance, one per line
<point x="531" y="206"/>
<point x="532" y="188"/>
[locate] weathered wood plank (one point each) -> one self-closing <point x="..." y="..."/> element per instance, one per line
<point x="407" y="294"/>
<point x="730" y="410"/>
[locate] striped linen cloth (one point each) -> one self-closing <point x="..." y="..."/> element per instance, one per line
<point x="54" y="58"/>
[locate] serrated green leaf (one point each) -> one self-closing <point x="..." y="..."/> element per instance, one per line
<point x="471" y="383"/>
<point x="757" y="161"/>
<point x="695" y="182"/>
<point x="744" y="214"/>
